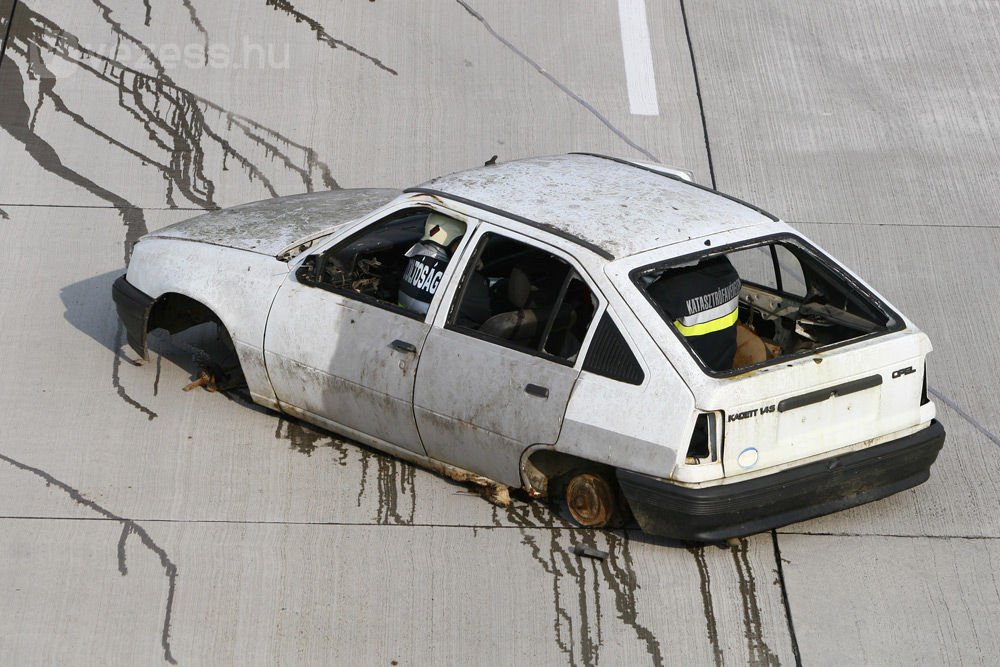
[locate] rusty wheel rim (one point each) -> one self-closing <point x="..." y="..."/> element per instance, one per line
<point x="590" y="500"/>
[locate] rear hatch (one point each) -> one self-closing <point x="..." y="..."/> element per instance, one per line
<point x="793" y="354"/>
<point x="854" y="396"/>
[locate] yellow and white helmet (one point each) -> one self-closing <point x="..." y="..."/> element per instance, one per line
<point x="442" y="230"/>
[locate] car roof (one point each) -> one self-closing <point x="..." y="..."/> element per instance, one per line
<point x="615" y="207"/>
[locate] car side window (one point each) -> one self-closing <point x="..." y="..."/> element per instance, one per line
<point x="524" y="297"/>
<point x="369" y="265"/>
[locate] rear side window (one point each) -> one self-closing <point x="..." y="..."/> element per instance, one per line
<point x="609" y="355"/>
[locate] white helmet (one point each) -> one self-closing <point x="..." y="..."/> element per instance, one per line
<point x="442" y="230"/>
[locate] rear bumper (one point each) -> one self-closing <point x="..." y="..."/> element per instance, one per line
<point x="731" y="510"/>
<point x="133" y="310"/>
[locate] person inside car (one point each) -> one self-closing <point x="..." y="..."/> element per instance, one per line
<point x="702" y="300"/>
<point x="428" y="259"/>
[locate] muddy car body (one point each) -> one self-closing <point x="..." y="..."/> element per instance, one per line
<point x="593" y="394"/>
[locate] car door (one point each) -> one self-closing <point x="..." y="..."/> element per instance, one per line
<point x="486" y="389"/>
<point x="337" y="345"/>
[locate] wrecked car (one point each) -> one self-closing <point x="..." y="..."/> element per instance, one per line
<point x="589" y="329"/>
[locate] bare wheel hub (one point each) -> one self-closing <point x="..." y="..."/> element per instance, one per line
<point x="590" y="499"/>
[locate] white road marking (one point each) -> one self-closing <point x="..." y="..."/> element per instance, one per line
<point x="638" y="53"/>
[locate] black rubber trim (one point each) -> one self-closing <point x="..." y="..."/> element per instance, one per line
<point x="133" y="307"/>
<point x="852" y="387"/>
<point x="555" y="231"/>
<point x="731" y="198"/>
<point x="716" y="513"/>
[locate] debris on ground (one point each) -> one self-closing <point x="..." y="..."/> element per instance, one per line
<point x="589" y="552"/>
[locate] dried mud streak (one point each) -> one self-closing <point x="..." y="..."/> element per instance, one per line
<point x="3" y="214"/>
<point x="711" y="624"/>
<point x="156" y="379"/>
<point x="129" y="527"/>
<point x="556" y="82"/>
<point x="619" y="574"/>
<point x="759" y="653"/>
<point x="175" y="119"/>
<point x="518" y="514"/>
<point x="15" y="118"/>
<point x="322" y="35"/>
<point x="559" y="563"/>
<point x="116" y="381"/>
<point x="301" y="438"/>
<point x="197" y="24"/>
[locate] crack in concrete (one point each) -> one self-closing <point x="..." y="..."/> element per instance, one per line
<point x="129" y="527"/>
<point x="784" y="599"/>
<point x="6" y="34"/>
<point x="965" y="415"/>
<point x="323" y="36"/>
<point x="556" y="82"/>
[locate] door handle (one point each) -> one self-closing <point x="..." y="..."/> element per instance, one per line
<point x="403" y="346"/>
<point x="536" y="390"/>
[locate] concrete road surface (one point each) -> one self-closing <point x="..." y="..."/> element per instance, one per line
<point x="140" y="524"/>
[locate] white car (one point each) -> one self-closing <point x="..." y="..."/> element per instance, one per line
<point x="547" y="358"/>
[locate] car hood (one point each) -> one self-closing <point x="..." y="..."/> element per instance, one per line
<point x="275" y="226"/>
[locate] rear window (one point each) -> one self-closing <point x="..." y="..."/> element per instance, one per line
<point x="762" y="301"/>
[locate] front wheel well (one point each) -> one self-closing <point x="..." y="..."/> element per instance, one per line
<point x="177" y="312"/>
<point x="221" y="367"/>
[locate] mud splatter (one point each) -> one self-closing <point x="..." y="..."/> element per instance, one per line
<point x="759" y="653"/>
<point x="578" y="584"/>
<point x="394" y="479"/>
<point x="619" y="573"/>
<point x="116" y="377"/>
<point x="129" y="527"/>
<point x="706" y="601"/>
<point x="395" y="484"/>
<point x="159" y="369"/>
<point x="15" y="118"/>
<point x="323" y="36"/>
<point x="180" y="124"/>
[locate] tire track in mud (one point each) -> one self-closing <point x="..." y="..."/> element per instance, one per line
<point x="579" y="622"/>
<point x="129" y="527"/>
